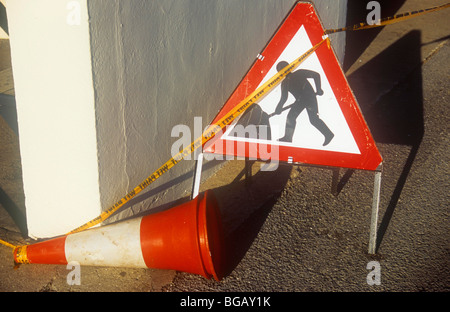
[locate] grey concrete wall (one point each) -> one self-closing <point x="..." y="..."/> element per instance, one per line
<point x="159" y="63"/>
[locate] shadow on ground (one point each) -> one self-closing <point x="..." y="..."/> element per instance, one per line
<point x="245" y="204"/>
<point x="389" y="91"/>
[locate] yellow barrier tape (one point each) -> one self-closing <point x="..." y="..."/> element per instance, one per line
<point x="239" y="109"/>
<point x="7" y="244"/>
<point x="212" y="130"/>
<point x="388" y="20"/>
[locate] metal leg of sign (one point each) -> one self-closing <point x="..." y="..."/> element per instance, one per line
<point x="335" y="181"/>
<point x="197" y="176"/>
<point x="248" y="171"/>
<point x="375" y="209"/>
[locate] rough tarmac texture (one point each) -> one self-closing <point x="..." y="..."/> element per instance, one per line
<point x="286" y="230"/>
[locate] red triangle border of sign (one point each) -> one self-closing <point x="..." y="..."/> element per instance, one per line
<point x="304" y="14"/>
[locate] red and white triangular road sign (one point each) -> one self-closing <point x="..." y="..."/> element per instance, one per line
<point x="312" y="117"/>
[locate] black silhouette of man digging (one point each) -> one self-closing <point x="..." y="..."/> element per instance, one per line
<point x="298" y="85"/>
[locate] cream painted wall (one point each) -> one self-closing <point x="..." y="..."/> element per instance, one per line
<point x="56" y="114"/>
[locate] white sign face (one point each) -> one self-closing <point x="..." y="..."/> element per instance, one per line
<point x="309" y="116"/>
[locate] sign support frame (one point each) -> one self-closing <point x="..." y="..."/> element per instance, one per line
<point x="375" y="210"/>
<point x="372" y="246"/>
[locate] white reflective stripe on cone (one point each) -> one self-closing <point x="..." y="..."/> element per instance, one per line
<point x="117" y="245"/>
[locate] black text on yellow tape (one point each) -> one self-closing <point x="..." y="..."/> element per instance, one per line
<point x="238" y="110"/>
<point x="388" y="20"/>
<point x="210" y="132"/>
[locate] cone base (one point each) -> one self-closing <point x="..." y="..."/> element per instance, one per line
<point x="186" y="238"/>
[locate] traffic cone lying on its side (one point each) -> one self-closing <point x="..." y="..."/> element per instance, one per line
<point x="186" y="238"/>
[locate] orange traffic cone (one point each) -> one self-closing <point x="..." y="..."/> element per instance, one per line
<point x="186" y="238"/>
